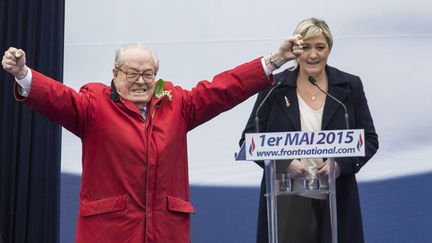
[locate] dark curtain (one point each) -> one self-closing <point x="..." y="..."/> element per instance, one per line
<point x="29" y="143"/>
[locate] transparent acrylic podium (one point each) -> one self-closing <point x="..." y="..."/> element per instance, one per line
<point x="274" y="148"/>
<point x="277" y="185"/>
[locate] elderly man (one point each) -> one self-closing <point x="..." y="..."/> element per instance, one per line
<point x="135" y="174"/>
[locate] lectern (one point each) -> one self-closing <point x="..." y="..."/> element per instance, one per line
<point x="275" y="147"/>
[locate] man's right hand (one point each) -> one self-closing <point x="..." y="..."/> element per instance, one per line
<point x="14" y="62"/>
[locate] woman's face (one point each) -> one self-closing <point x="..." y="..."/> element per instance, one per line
<point x="314" y="57"/>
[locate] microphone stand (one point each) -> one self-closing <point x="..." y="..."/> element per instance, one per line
<point x="332" y="172"/>
<point x="313" y="81"/>
<point x="257" y="128"/>
<point x="270" y="176"/>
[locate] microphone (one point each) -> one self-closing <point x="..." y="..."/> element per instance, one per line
<point x="261" y="104"/>
<point x="313" y="81"/>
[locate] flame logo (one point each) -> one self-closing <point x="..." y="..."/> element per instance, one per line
<point x="360" y="142"/>
<point x="252" y="147"/>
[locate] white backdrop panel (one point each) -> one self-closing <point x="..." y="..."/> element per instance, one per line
<point x="386" y="43"/>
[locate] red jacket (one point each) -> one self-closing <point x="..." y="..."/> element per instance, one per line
<point x="135" y="185"/>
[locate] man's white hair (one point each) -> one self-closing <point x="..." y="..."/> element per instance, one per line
<point x="118" y="57"/>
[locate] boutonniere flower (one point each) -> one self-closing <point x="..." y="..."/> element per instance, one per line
<point x="159" y="90"/>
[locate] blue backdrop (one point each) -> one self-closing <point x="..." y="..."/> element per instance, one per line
<point x="394" y="210"/>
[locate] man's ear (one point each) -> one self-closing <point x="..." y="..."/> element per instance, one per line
<point x="115" y="96"/>
<point x="115" y="72"/>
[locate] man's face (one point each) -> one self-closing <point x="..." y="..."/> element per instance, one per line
<point x="135" y="78"/>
